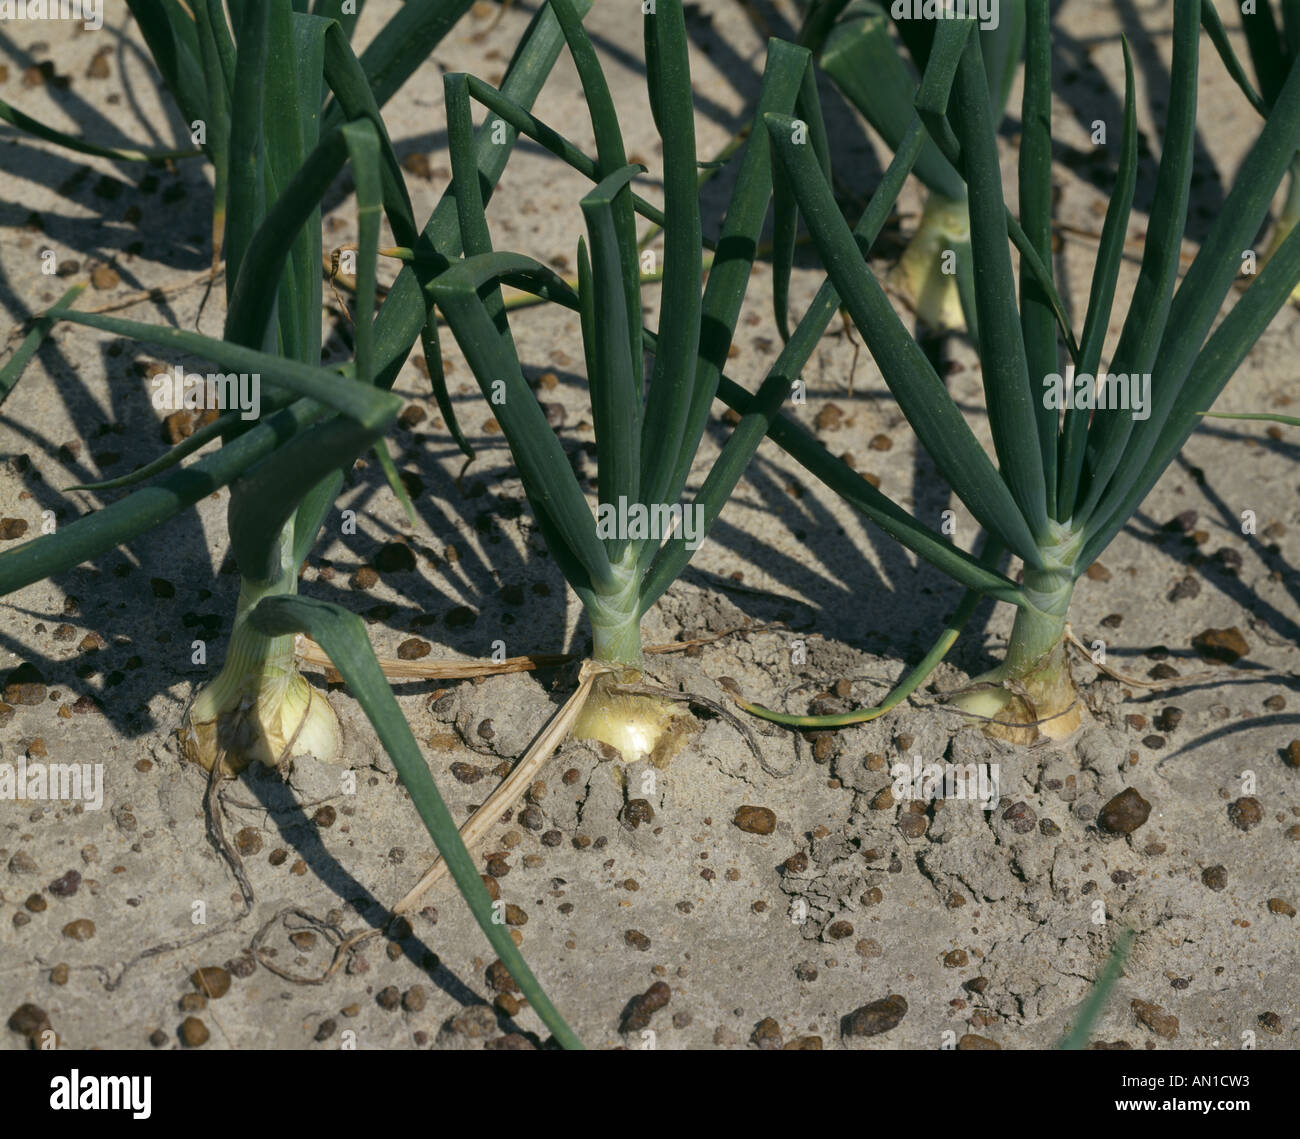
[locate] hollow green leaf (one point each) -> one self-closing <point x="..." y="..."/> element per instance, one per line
<point x="1148" y="312"/>
<point x="1012" y="403"/>
<point x="246" y="190"/>
<point x="343" y="636"/>
<point x="1091" y="1009"/>
<point x="1218" y="34"/>
<point x="737" y="245"/>
<point x="1101" y="297"/>
<point x="14" y="367"/>
<point x="143" y="510"/>
<point x="406" y="310"/>
<point x="173" y="41"/>
<point x="1214" y="367"/>
<point x="17" y="118"/>
<point x="357" y="401"/>
<point x="920" y="393"/>
<point x="674" y="377"/>
<point x="542" y="464"/>
<point x="263" y="500"/>
<point x="911" y="681"/>
<point x="611" y="373"/>
<point x="861" y="57"/>
<point x="671" y="558"/>
<point x="1037" y="321"/>
<point x="883" y="511"/>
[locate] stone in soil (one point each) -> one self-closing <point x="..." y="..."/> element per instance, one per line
<point x="877" y="1017"/>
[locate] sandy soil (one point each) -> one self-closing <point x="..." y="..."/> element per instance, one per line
<point x="989" y="925"/>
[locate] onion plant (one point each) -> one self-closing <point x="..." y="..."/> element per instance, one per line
<point x="1067" y="479"/>
<point x="648" y="429"/>
<point x="875" y="69"/>
<point x="285" y="467"/>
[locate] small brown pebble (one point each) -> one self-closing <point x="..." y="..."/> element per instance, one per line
<point x="755" y="820"/>
<point x="413" y="648"/>
<point x="636" y="939"/>
<point x="1246" y="812"/>
<point x="466" y="772"/>
<point x="1124" y="813"/>
<point x="388" y="998"/>
<point x="912" y="826"/>
<point x="248" y="842"/>
<point x="1097" y="572"/>
<point x="1271" y="1022"/>
<point x="497" y="866"/>
<point x="839" y="930"/>
<point x="976" y="985"/>
<point x="35" y="904"/>
<point x="194" y="1033"/>
<point x="797" y="863"/>
<point x="636" y="812"/>
<point x="876" y="1017"/>
<point x="29" y="1020"/>
<point x="59" y="974"/>
<point x="413" y="1000"/>
<point x="211" y="980"/>
<point x="1163" y="1024"/>
<point x="641" y="1008"/>
<point x="104" y="277"/>
<point x="970" y="1042"/>
<point x="766" y="1035"/>
<point x="1226" y="645"/>
<point x="869" y="947"/>
<point x="571" y="776"/>
<point x="1021" y="817"/>
<point x="1215" y="878"/>
<point x="957" y="959"/>
<point x="325" y="817"/>
<point x="1292" y="754"/>
<point x="83" y="929"/>
<point x="804" y="1044"/>
<point x="499" y="979"/>
<point x="830" y="417"/>
<point x="364" y="578"/>
<point x="1169" y="718"/>
<point x="1281" y="906"/>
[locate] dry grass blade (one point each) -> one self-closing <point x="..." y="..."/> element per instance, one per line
<point x="514" y="784"/>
